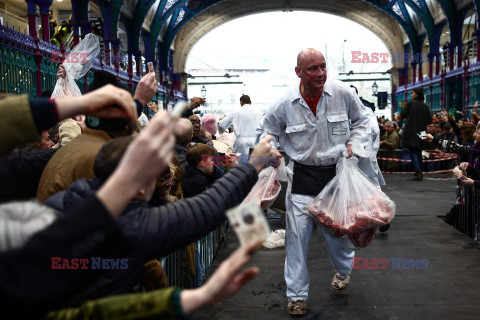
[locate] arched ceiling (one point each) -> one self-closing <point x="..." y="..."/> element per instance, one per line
<point x="181" y="23"/>
<point x="387" y="29"/>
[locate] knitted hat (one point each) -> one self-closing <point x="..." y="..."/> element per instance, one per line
<point x="210" y="123"/>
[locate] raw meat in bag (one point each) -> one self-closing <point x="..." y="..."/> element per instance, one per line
<point x="268" y="187"/>
<point x="351" y="204"/>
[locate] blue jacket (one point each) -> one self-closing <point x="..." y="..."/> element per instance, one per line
<point x="157" y="231"/>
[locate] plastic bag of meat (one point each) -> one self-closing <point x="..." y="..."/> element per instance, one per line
<point x="77" y="64"/>
<point x="350" y="204"/>
<point x="361" y="239"/>
<point x="268" y="187"/>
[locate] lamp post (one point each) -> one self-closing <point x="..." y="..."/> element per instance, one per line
<point x="204" y="94"/>
<point x="374" y="88"/>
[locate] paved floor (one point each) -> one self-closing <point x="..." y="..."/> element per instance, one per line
<point x="449" y="287"/>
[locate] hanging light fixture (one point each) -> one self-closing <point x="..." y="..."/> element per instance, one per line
<point x="374" y="88"/>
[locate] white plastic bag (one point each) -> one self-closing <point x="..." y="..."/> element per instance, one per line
<point x="268" y="187"/>
<point x="351" y="204"/>
<point x="275" y="239"/>
<point x="77" y="64"/>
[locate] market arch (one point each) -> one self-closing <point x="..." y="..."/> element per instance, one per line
<point x="364" y="14"/>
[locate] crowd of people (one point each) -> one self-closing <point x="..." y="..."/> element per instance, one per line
<point x="117" y="189"/>
<point x="396" y="134"/>
<point x="453" y="132"/>
<point x="444" y="125"/>
<point x="109" y="188"/>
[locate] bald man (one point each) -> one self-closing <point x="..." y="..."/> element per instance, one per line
<point x="183" y="135"/>
<point x="314" y="116"/>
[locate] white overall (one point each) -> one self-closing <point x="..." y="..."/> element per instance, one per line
<point x="340" y="119"/>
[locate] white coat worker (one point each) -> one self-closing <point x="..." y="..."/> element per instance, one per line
<point x="315" y="115"/>
<point x="244" y="122"/>
<point x="369" y="166"/>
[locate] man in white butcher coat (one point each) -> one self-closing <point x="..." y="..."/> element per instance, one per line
<point x="369" y="165"/>
<point x="244" y="122"/>
<point x="314" y="116"/>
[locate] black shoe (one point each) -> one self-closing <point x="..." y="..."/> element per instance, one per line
<point x="384" y="228"/>
<point x="418" y="176"/>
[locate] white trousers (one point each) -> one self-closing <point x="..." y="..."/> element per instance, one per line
<point x="299" y="225"/>
<point x="242" y="144"/>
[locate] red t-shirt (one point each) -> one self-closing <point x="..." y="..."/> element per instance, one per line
<point x="311" y="103"/>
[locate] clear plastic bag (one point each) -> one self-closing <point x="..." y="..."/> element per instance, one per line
<point x="268" y="187"/>
<point x="77" y="64"/>
<point x="351" y="204"/>
<point x="275" y="239"/>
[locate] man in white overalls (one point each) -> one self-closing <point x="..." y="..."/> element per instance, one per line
<point x="244" y="122"/>
<point x="314" y="116"/>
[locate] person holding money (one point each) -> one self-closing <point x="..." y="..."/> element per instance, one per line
<point x="315" y="115"/>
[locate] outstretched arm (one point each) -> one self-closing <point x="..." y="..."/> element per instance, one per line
<point x="182" y="222"/>
<point x="22" y="119"/>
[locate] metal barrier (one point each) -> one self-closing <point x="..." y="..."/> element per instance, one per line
<point x="18" y="72"/>
<point x="398" y="161"/>
<point x="175" y="264"/>
<point x="13" y="21"/>
<point x="469" y="218"/>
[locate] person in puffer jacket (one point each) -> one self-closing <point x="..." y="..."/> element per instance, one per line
<point x="157" y="231"/>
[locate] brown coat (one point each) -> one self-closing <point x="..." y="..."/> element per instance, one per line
<point x="71" y="162"/>
<point x="390" y="140"/>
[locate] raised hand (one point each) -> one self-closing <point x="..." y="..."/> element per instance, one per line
<point x="146" y="88"/>
<point x="196" y="102"/>
<point x="106" y="102"/>
<point x="225" y="282"/>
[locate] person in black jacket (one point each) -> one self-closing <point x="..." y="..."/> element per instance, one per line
<point x="156" y="231"/>
<point x="20" y="173"/>
<point x="417" y="116"/>
<point x="200" y="171"/>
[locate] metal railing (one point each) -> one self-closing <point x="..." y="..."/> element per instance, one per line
<point x="175" y="264"/>
<point x="18" y="72"/>
<point x="398" y="161"/>
<point x="468" y="220"/>
<point x="13" y="21"/>
<point x="435" y="161"/>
